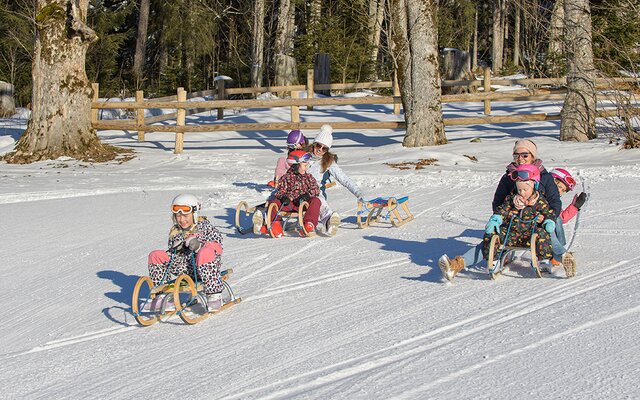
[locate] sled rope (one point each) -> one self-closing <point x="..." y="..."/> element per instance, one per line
<point x="506" y="236"/>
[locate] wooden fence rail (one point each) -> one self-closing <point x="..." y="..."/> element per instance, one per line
<point x="184" y="107"/>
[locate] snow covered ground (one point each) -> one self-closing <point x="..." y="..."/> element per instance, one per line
<point x="361" y="315"/>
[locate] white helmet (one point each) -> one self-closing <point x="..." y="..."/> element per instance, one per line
<point x="185" y="203"/>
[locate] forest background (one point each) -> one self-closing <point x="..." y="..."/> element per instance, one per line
<point x="158" y="45"/>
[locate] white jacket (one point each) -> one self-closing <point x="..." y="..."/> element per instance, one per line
<point x="334" y="172"/>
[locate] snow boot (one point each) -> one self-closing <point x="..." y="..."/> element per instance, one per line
<point x="258" y="223"/>
<point x="332" y="223"/>
<point x="569" y="264"/>
<point x="276" y="230"/>
<point x="214" y="301"/>
<point x="308" y="231"/>
<point x="450" y="268"/>
<point x="545" y="266"/>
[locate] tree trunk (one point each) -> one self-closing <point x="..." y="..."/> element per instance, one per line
<point x="322" y="71"/>
<point x="257" y="48"/>
<point x="497" y="49"/>
<point x="455" y="66"/>
<point x="313" y="27"/>
<point x="141" y="42"/>
<point x="375" y="19"/>
<point x="474" y="57"/>
<point x="415" y="45"/>
<point x="555" y="51"/>
<point x="516" y="34"/>
<point x="286" y="72"/>
<point x="60" y="122"/>
<point x="7" y="104"/>
<point x="579" y="108"/>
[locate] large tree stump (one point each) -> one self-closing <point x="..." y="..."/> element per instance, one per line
<point x="7" y="105"/>
<point x="322" y="71"/>
<point x="456" y="65"/>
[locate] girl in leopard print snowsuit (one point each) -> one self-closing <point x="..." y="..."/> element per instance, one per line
<point x="186" y="240"/>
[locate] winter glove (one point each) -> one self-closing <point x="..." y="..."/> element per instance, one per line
<point x="549" y="225"/>
<point x="494" y="224"/>
<point x="284" y="200"/>
<point x="580" y="199"/>
<point x="193" y="243"/>
<point x="178" y="246"/>
<point x="302" y="198"/>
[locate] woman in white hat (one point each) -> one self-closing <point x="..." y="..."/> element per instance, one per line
<point x="324" y="167"/>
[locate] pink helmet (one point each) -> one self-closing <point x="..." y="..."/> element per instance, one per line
<point x="526" y="172"/>
<point x="564" y="176"/>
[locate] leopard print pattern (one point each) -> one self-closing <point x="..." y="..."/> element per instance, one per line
<point x="207" y="273"/>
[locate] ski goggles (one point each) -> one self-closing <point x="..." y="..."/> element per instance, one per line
<point x="564" y="178"/>
<point x="299" y="159"/>
<point x="321" y="147"/>
<point x="521" y="175"/>
<point x="183" y="209"/>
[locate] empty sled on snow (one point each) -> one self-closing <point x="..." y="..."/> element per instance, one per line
<point x="372" y="210"/>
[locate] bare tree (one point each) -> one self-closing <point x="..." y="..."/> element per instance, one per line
<point x="415" y="47"/>
<point x="497" y="50"/>
<point x="375" y="19"/>
<point x="60" y="122"/>
<point x="141" y="41"/>
<point x="257" y="47"/>
<point x="579" y="108"/>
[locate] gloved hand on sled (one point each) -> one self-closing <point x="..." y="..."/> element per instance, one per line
<point x="580" y="199"/>
<point x="178" y="246"/>
<point x="494" y="224"/>
<point x="193" y="243"/>
<point x="284" y="200"/>
<point x="549" y="225"/>
<point x="303" y="197"/>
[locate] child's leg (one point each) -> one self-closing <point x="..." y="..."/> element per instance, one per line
<point x="313" y="212"/>
<point x="474" y="254"/>
<point x="543" y="244"/>
<point x="208" y="262"/>
<point x="158" y="262"/>
<point x="325" y="210"/>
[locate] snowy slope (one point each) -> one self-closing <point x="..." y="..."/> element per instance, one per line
<point x="361" y="315"/>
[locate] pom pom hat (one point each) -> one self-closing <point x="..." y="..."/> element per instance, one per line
<point x="325" y="136"/>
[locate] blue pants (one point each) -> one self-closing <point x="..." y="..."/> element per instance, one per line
<point x="558" y="241"/>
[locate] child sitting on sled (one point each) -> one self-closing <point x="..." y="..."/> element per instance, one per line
<point x="191" y="236"/>
<point x="561" y="256"/>
<point x="518" y="215"/>
<point x="295" y="187"/>
<point x="295" y="141"/>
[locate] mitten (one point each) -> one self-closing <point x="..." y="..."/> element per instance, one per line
<point x="549" y="225"/>
<point x="193" y="243"/>
<point x="284" y="200"/>
<point x="303" y="197"/>
<point x="178" y="246"/>
<point x="494" y="224"/>
<point x="580" y="199"/>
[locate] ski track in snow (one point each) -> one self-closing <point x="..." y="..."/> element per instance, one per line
<point x="411" y="347"/>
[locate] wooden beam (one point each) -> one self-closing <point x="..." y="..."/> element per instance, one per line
<point x="180" y="122"/>
<point x="140" y="114"/>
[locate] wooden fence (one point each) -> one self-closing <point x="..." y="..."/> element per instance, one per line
<point x="183" y="107"/>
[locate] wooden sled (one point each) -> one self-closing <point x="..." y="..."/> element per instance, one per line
<point x="288" y="217"/>
<point x="249" y="211"/>
<point x="373" y="210"/>
<point x="151" y="308"/>
<point x="504" y="250"/>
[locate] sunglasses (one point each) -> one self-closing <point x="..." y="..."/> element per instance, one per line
<point x="321" y="147"/>
<point x="523" y="155"/>
<point x="180" y="209"/>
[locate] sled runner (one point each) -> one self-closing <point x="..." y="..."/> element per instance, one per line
<point x="373" y="210"/>
<point x="506" y="254"/>
<point x="291" y="220"/>
<point x="243" y="207"/>
<point x="182" y="296"/>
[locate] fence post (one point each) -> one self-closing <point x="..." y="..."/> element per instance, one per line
<point x="295" y="110"/>
<point x="487" y="90"/>
<point x="396" y="92"/>
<point x="140" y="115"/>
<point x="310" y="87"/>
<point x="95" y="98"/>
<point x="220" y="96"/>
<point x="180" y="121"/>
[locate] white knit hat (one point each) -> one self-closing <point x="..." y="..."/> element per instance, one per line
<point x="325" y="136"/>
